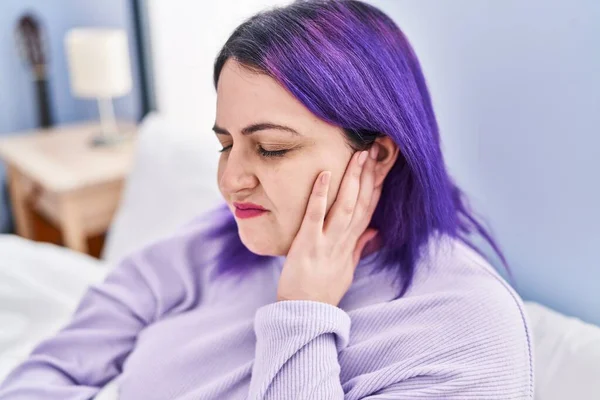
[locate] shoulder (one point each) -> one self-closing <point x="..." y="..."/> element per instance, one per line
<point x="451" y="269"/>
<point x="455" y="289"/>
<point x="475" y="300"/>
<point x="452" y="285"/>
<point x="460" y="316"/>
<point x="478" y="312"/>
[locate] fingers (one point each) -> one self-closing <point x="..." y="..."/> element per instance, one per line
<point x="317" y="205"/>
<point x="361" y="223"/>
<point x="342" y="211"/>
<point x="364" y="203"/>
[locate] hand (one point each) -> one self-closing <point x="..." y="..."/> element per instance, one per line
<point x="323" y="256"/>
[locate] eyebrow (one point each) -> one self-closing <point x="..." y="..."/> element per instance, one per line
<point x="250" y="129"/>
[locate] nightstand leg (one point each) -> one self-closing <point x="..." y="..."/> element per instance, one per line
<point x="18" y="195"/>
<point x="72" y="225"/>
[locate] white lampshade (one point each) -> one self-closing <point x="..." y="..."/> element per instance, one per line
<point x="98" y="61"/>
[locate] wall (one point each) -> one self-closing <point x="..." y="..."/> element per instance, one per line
<point x="516" y="88"/>
<point x="184" y="52"/>
<point x="17" y="96"/>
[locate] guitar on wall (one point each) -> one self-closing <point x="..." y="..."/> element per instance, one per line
<point x="29" y="39"/>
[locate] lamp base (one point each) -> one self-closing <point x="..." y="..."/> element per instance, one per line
<point x="102" y="140"/>
<point x="110" y="135"/>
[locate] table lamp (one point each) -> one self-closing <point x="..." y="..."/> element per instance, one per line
<point x="99" y="68"/>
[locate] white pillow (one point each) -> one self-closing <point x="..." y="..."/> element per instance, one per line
<point x="566" y="355"/>
<point x="173" y="179"/>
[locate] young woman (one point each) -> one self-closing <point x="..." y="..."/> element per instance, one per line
<point x="340" y="266"/>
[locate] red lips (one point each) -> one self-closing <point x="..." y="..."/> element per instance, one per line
<point x="248" y="210"/>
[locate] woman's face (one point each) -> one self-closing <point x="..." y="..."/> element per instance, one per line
<point x="274" y="150"/>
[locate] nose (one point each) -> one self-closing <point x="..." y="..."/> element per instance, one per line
<point x="237" y="174"/>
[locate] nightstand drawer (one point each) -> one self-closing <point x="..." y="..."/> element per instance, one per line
<point x="97" y="205"/>
<point x="100" y="204"/>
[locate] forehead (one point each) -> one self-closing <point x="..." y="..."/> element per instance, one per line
<point x="245" y="97"/>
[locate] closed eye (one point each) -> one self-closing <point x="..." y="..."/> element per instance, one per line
<point x="263" y="152"/>
<point x="271" y="153"/>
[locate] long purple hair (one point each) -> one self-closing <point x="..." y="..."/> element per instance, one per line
<point x="351" y="66"/>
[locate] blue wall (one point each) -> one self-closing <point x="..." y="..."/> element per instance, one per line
<point x="516" y="88"/>
<point x="17" y="96"/>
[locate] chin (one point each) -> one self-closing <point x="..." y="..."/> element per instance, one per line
<point x="264" y="245"/>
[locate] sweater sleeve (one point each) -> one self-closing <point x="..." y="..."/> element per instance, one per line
<point x="90" y="350"/>
<point x="297" y="345"/>
<point x="300" y="345"/>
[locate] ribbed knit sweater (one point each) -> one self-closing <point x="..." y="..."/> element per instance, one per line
<point x="168" y="332"/>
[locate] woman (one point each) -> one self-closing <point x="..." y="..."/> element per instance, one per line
<point x="340" y="267"/>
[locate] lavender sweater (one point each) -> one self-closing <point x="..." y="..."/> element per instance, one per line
<point x="166" y="332"/>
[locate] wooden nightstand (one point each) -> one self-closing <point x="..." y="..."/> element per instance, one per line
<point x="57" y="173"/>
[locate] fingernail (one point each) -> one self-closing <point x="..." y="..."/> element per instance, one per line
<point x="325" y="178"/>
<point x="373" y="151"/>
<point x="362" y="158"/>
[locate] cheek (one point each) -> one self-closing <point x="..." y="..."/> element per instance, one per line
<point x="289" y="189"/>
<point x="220" y="169"/>
<point x="286" y="188"/>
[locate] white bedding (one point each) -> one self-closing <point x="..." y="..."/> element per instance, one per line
<point x="566" y="354"/>
<point x="40" y="286"/>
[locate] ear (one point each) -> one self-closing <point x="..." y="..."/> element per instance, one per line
<point x="386" y="158"/>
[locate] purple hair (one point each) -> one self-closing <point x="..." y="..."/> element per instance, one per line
<point x="351" y="66"/>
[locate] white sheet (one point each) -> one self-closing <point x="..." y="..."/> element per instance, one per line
<point x="566" y="354"/>
<point x="40" y="286"/>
